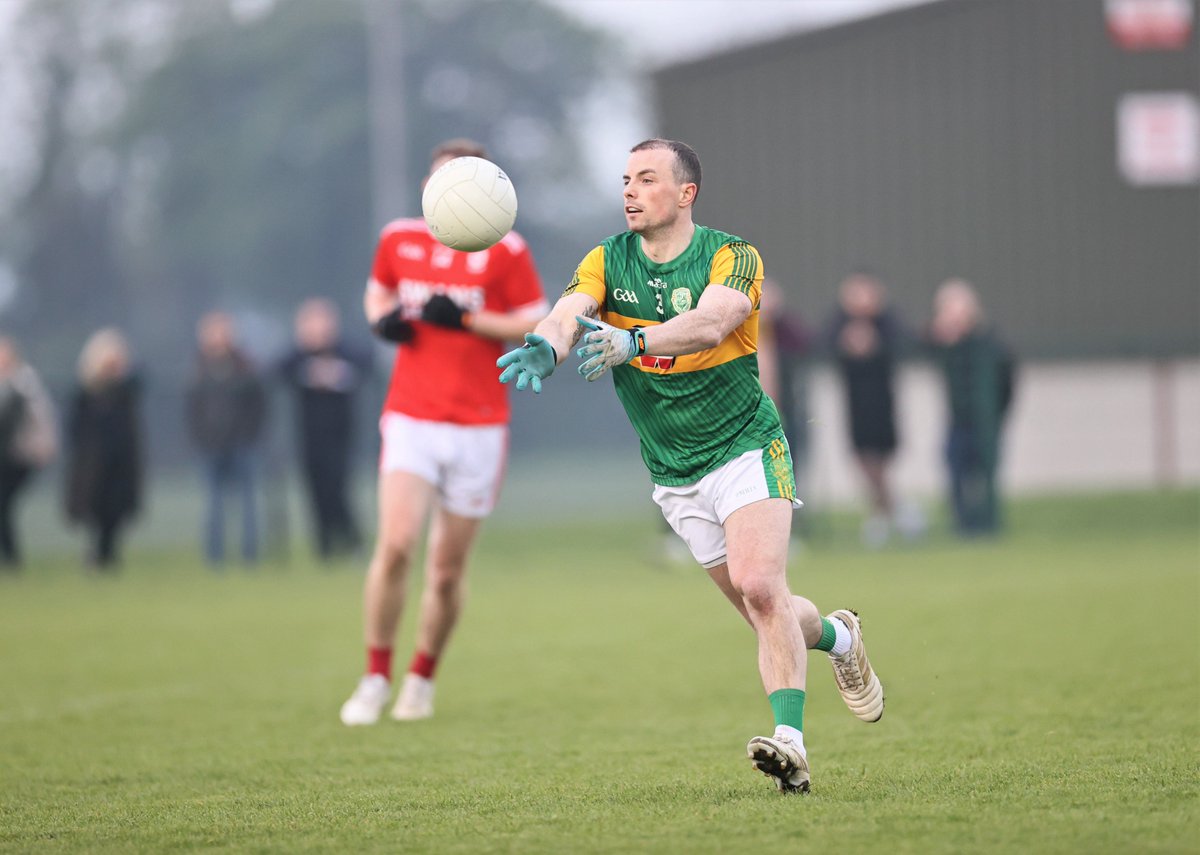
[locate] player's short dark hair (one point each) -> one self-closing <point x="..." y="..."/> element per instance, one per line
<point x="687" y="162"/>
<point x="458" y="147"/>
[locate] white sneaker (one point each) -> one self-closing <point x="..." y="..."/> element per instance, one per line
<point x="876" y="531"/>
<point x="368" y="701"/>
<point x="415" y="700"/>
<point x="910" y="522"/>
<point x="856" y="680"/>
<point x="780" y="758"/>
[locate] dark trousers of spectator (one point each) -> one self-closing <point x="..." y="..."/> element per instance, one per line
<point x="102" y="548"/>
<point x="327" y="474"/>
<point x="227" y="472"/>
<point x="973" y="493"/>
<point x="13" y="477"/>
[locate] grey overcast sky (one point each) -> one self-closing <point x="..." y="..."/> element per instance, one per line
<point x="661" y="32"/>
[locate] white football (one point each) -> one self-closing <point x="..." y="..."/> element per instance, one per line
<point x="469" y="204"/>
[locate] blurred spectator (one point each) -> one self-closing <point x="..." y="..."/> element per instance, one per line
<point x="28" y="439"/>
<point x="864" y="337"/>
<point x="104" y="438"/>
<point x="226" y="408"/>
<point x="979" y="371"/>
<point x="326" y="374"/>
<point x="783" y="342"/>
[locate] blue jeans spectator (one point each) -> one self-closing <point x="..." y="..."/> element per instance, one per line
<point x="973" y="492"/>
<point x="231" y="471"/>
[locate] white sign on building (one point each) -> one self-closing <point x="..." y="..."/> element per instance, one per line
<point x="1158" y="138"/>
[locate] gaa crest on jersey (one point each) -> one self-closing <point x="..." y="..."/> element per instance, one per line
<point x="681" y="300"/>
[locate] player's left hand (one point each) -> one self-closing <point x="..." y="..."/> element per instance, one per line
<point x="605" y="346"/>
<point x="529" y="364"/>
<point x="443" y="312"/>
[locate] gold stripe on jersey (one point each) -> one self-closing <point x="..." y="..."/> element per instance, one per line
<point x="738" y="266"/>
<point x="735" y="265"/>
<point x="743" y="341"/>
<point x="589" y="277"/>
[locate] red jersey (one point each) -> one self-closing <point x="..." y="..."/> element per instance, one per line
<point x="449" y="375"/>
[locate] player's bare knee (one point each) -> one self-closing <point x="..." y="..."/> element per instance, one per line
<point x="444" y="585"/>
<point x="391" y="559"/>
<point x="762" y="595"/>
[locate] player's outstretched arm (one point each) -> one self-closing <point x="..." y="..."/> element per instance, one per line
<point x="718" y="312"/>
<point x="548" y="344"/>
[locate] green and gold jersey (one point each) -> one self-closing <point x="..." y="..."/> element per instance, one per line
<point x="692" y="413"/>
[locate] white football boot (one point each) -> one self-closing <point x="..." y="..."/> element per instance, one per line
<point x="858" y="683"/>
<point x="368" y="701"/>
<point x="415" y="700"/>
<point x="780" y="758"/>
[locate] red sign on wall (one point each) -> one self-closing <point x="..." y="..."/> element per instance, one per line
<point x="1149" y="24"/>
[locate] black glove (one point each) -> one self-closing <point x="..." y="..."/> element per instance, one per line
<point x="443" y="312"/>
<point x="392" y="327"/>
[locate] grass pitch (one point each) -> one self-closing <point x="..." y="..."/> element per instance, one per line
<point x="1043" y="696"/>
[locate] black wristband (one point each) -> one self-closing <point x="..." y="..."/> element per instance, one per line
<point x="639" y="341"/>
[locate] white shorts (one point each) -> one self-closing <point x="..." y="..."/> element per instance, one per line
<point x="464" y="462"/>
<point x="697" y="512"/>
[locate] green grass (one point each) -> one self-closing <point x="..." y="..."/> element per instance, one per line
<point x="1043" y="696"/>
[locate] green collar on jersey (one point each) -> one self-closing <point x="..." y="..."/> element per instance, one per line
<point x="678" y="261"/>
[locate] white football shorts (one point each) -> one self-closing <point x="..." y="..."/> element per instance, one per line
<point x="697" y="512"/>
<point x="464" y="462"/>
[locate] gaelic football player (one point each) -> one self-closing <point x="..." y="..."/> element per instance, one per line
<point x="444" y="433"/>
<point x="671" y="308"/>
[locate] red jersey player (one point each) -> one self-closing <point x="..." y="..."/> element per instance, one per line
<point x="444" y="431"/>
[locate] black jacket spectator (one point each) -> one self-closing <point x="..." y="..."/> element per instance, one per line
<point x="226" y="403"/>
<point x="979" y="373"/>
<point x="103" y="435"/>
<point x="326" y="374"/>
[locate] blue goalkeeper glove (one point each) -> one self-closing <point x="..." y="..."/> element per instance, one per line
<point x="529" y="364"/>
<point x="605" y="346"/>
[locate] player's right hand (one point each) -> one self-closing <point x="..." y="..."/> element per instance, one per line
<point x="392" y="327"/>
<point x="605" y="346"/>
<point x="529" y="364"/>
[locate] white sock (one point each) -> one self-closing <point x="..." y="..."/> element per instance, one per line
<point x="791" y="733"/>
<point x="842" y="641"/>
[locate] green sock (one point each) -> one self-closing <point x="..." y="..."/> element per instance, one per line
<point x="788" y="706"/>
<point x="828" y="636"/>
